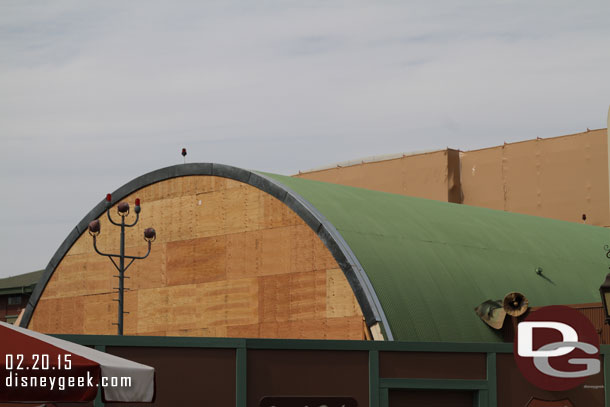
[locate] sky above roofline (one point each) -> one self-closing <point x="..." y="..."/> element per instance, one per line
<point x="95" y="94"/>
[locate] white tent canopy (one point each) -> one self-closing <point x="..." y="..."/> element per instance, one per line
<point x="22" y="353"/>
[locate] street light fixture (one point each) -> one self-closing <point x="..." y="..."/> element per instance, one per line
<point x="149" y="235"/>
<point x="604" y="290"/>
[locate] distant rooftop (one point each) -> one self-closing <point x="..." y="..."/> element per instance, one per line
<point x="22" y="283"/>
<point x="371" y="159"/>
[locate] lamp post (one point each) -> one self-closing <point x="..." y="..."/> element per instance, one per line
<point x="604" y="290"/>
<point x="149" y="235"/>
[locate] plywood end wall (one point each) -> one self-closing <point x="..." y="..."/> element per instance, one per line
<point x="229" y="261"/>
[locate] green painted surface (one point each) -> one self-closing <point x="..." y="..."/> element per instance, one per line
<point x="373" y="378"/>
<point x="431" y="263"/>
<point x="22" y="283"/>
<point x="606" y="359"/>
<point x="241" y="379"/>
<point x="492" y="381"/>
<point x="384" y="397"/>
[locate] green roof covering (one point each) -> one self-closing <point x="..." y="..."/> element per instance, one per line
<point x="431" y="263"/>
<point x="23" y="283"/>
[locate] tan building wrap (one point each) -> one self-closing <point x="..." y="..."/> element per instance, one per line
<point x="562" y="177"/>
<point x="608" y="154"/>
<point x="229" y="261"/>
<point x="432" y="175"/>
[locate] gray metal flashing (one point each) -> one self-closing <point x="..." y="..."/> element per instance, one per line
<point x="353" y="270"/>
<point x="234" y="173"/>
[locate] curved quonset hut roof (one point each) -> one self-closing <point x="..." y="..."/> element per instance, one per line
<point x="416" y="266"/>
<point x="431" y="263"/>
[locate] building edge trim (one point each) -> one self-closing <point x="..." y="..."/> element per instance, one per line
<point x="332" y="239"/>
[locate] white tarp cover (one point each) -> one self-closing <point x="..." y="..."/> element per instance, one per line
<point x="142" y="387"/>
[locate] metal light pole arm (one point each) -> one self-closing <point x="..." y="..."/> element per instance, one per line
<point x="127" y="266"/>
<point x="110" y="256"/>
<point x="149" y="236"/>
<point x="110" y="219"/>
<point x="99" y="252"/>
<point x="140" y="257"/>
<point x="134" y="222"/>
<point x="133" y="258"/>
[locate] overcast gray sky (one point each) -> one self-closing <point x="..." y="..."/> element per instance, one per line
<point x="93" y="94"/>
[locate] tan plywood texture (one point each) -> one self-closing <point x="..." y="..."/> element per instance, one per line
<point x="561" y="178"/>
<point x="229" y="260"/>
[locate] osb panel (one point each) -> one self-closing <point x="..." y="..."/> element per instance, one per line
<point x="243" y="254"/>
<point x="229" y="260"/>
<point x="100" y="312"/>
<point x="304" y="247"/>
<point x="239" y="209"/>
<point x="330" y="328"/>
<point x="422" y="175"/>
<point x="214" y="331"/>
<point x="339" y="302"/>
<point x="295" y="296"/>
<point x="279" y="250"/>
<point x="148" y="273"/>
<point x="130" y="324"/>
<point x="229" y="302"/>
<point x="60" y="315"/>
<point x="561" y="178"/>
<point x="79" y="275"/>
<point x="276" y="253"/>
<point x="196" y="260"/>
